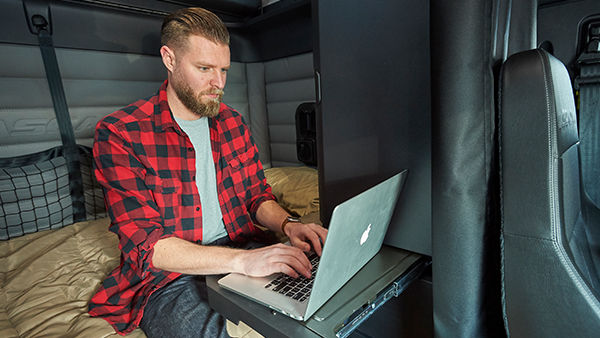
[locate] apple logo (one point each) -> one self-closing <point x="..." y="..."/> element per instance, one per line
<point x="365" y="235"/>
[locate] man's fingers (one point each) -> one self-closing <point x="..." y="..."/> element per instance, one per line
<point x="295" y="252"/>
<point x="322" y="232"/>
<point x="315" y="242"/>
<point x="300" y="244"/>
<point x="293" y="258"/>
<point x="286" y="259"/>
<point x="310" y="235"/>
<point x="289" y="263"/>
<point x="284" y="268"/>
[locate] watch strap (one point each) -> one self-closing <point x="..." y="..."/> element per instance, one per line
<point x="288" y="219"/>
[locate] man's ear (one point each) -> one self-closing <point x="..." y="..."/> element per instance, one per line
<point x="168" y="57"/>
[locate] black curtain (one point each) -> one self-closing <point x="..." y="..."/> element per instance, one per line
<point x="469" y="41"/>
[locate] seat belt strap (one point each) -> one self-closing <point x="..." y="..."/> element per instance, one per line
<point x="588" y="85"/>
<point x="589" y="128"/>
<point x="71" y="151"/>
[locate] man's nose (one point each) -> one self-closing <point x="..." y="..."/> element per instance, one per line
<point x="218" y="80"/>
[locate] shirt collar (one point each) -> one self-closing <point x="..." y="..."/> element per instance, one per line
<point x="163" y="118"/>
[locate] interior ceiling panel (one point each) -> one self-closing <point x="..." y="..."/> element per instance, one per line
<point x="229" y="9"/>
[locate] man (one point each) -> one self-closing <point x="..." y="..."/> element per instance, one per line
<point x="182" y="182"/>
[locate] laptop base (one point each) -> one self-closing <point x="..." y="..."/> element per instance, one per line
<point x="385" y="276"/>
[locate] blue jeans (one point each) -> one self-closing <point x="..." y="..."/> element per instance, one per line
<point x="180" y="309"/>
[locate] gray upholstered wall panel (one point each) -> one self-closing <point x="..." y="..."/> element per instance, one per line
<point x="236" y="90"/>
<point x="95" y="83"/>
<point x="25" y="114"/>
<point x="274" y="91"/>
<point x="288" y="83"/>
<point x="290" y="68"/>
<point x="14" y="57"/>
<point x="259" y="124"/>
<point x="98" y="65"/>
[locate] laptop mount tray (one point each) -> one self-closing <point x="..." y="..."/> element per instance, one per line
<point x="384" y="276"/>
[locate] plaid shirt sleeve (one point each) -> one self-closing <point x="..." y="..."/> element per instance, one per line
<point x="138" y="223"/>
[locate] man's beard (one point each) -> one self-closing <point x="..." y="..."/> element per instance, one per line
<point x="194" y="102"/>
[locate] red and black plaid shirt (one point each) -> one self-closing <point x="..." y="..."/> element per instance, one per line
<point x="146" y="165"/>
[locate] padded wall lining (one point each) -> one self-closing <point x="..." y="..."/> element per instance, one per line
<point x="289" y="82"/>
<point x="236" y="90"/>
<point x="259" y="124"/>
<point x="97" y="83"/>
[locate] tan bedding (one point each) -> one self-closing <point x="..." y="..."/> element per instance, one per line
<point x="296" y="188"/>
<point x="47" y="278"/>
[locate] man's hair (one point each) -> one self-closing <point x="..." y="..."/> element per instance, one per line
<point x="182" y="23"/>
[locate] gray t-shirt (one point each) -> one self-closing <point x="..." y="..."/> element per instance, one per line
<point x="206" y="178"/>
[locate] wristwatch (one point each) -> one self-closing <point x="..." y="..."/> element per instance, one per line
<point x="289" y="219"/>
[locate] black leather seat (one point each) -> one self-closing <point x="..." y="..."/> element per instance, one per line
<point x="550" y="279"/>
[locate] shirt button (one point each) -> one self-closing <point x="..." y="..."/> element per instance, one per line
<point x="197" y="208"/>
<point x="190" y="149"/>
<point x="193" y="178"/>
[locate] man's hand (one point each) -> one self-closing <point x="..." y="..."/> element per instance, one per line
<point x="178" y="255"/>
<point x="272" y="259"/>
<point x="302" y="236"/>
<point x="287" y="259"/>
<point x="305" y="236"/>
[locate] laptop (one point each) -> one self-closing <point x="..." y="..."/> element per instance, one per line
<point x="356" y="232"/>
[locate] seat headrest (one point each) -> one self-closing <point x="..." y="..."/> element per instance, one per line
<point x="537" y="88"/>
<point x="538" y="127"/>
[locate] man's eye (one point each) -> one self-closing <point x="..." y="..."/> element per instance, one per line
<point x="204" y="69"/>
<point x="224" y="70"/>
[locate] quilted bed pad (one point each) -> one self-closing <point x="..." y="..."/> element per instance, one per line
<point x="47" y="279"/>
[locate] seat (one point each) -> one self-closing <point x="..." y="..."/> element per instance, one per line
<point x="550" y="281"/>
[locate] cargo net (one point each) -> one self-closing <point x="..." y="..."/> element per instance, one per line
<point x="34" y="197"/>
<point x="35" y="194"/>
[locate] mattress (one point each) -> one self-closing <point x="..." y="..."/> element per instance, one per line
<point x="47" y="279"/>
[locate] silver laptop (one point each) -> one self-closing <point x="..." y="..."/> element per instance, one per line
<point x="356" y="232"/>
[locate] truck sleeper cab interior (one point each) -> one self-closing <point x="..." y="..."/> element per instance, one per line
<point x="338" y="96"/>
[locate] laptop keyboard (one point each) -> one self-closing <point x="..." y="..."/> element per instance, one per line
<point x="296" y="288"/>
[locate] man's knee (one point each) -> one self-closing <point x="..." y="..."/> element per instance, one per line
<point x="181" y="309"/>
